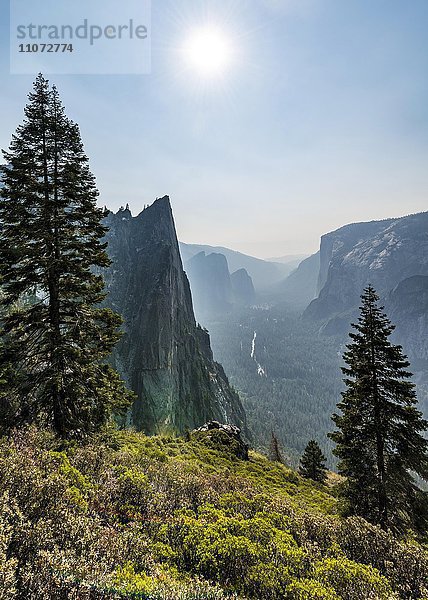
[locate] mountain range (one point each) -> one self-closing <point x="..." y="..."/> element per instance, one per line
<point x="296" y="390"/>
<point x="166" y="358"/>
<point x="263" y="273"/>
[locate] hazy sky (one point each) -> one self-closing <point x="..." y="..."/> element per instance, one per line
<point x="320" y="120"/>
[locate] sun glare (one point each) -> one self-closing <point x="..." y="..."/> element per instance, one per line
<point x="208" y="51"/>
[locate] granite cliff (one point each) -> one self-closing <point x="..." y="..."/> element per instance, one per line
<point x="407" y="306"/>
<point x="163" y="355"/>
<point x="264" y="273"/>
<point x="216" y="291"/>
<point x="210" y="284"/>
<point x="242" y="288"/>
<point x="392" y="255"/>
<point x="382" y="253"/>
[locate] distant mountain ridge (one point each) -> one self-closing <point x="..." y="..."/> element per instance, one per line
<point x="292" y="260"/>
<point x="263" y="273"/>
<point x="216" y="291"/>
<point x="301" y="286"/>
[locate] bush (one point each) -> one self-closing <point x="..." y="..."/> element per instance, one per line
<point x="109" y="520"/>
<point x="308" y="589"/>
<point x="352" y="580"/>
<point x="7" y="566"/>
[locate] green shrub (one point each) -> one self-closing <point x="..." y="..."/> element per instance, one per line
<point x="109" y="520"/>
<point x="308" y="589"/>
<point x="7" y="565"/>
<point x="353" y="580"/>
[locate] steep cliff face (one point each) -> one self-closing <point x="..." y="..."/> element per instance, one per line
<point x="215" y="291"/>
<point x="407" y="306"/>
<point x="340" y="243"/>
<point x="392" y="255"/>
<point x="210" y="283"/>
<point x="382" y="253"/>
<point x="263" y="273"/>
<point x="164" y="357"/>
<point x="242" y="288"/>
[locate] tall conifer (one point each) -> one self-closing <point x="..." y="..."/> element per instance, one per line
<point x="312" y="463"/>
<point x="55" y="334"/>
<point x="379" y="440"/>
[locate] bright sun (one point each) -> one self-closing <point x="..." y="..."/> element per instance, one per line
<point x="208" y="51"/>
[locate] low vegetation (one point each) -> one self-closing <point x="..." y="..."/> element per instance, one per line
<point x="128" y="516"/>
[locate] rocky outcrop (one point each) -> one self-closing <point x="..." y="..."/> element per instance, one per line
<point x="243" y="290"/>
<point x="214" y="290"/>
<point x="223" y="436"/>
<point x="263" y="273"/>
<point x="163" y="355"/>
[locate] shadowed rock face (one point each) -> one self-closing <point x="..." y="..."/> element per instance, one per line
<point x="215" y="291"/>
<point x="263" y="273"/>
<point x="243" y="288"/>
<point x="210" y="283"/>
<point x="163" y="355"/>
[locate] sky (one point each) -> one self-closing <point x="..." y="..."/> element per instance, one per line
<point x="320" y="119"/>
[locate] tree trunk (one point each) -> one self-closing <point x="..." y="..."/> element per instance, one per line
<point x="380" y="446"/>
<point x="53" y="291"/>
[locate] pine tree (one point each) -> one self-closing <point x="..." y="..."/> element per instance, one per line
<point x="55" y="334"/>
<point x="275" y="453"/>
<point x="312" y="463"/>
<point x="379" y="440"/>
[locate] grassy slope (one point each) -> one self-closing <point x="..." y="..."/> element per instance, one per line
<point x="127" y="516"/>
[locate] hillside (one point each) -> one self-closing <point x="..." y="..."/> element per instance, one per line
<point x="300" y="287"/>
<point x="128" y="516"/>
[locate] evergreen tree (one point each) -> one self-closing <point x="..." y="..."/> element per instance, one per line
<point x="379" y="440"/>
<point x="55" y="334"/>
<point x="312" y="463"/>
<point x="275" y="453"/>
